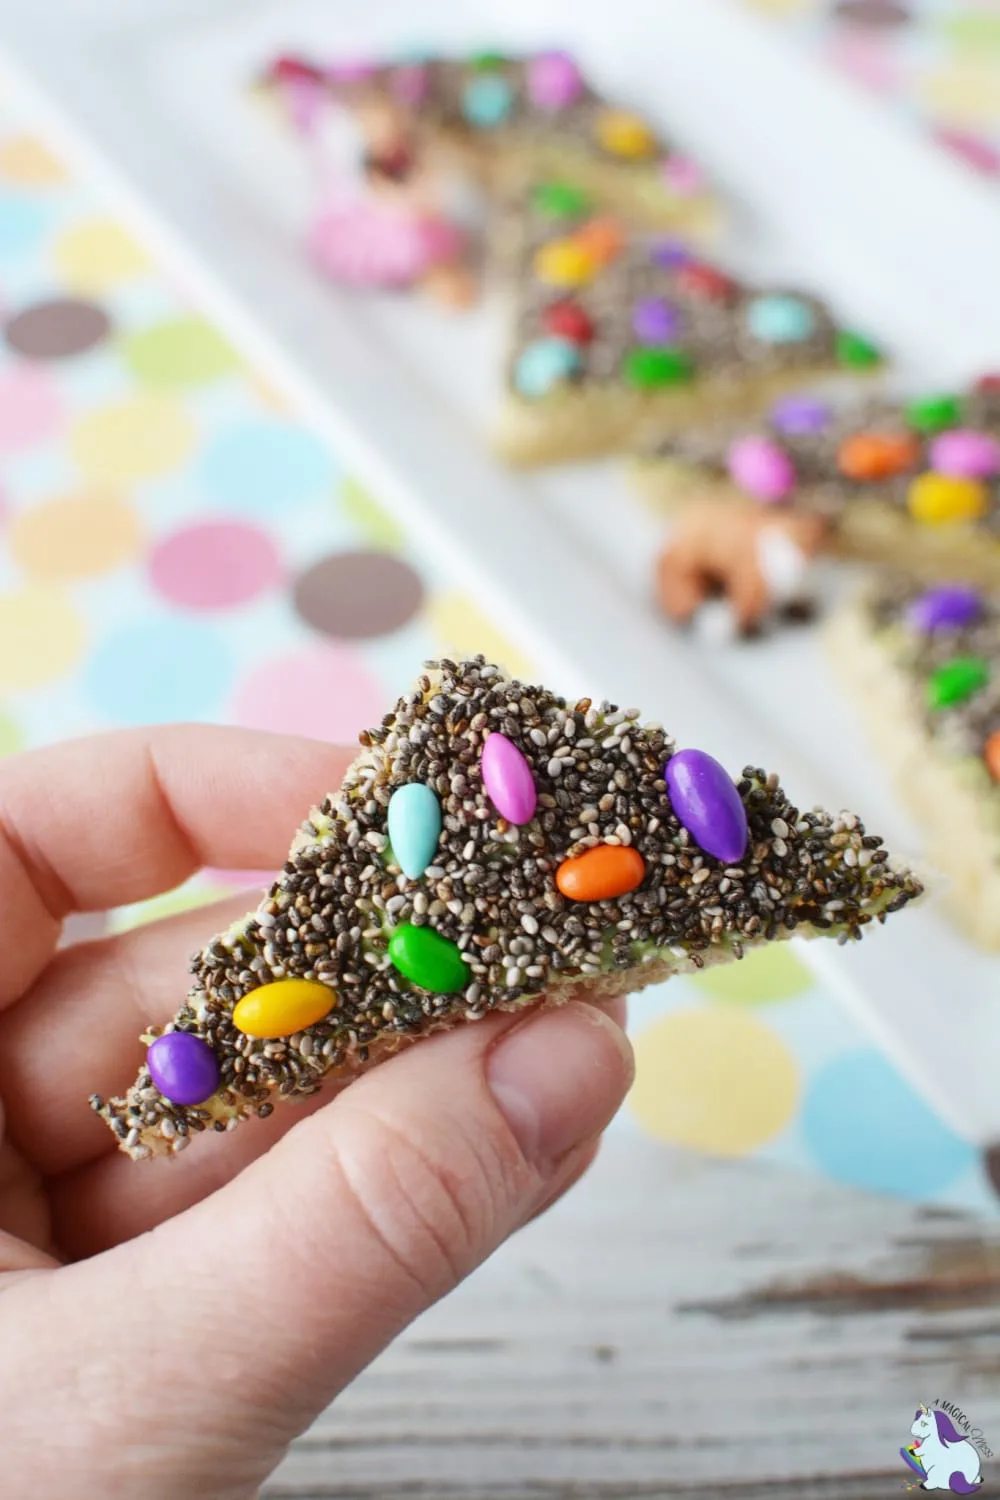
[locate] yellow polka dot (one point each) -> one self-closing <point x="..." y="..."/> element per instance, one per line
<point x="133" y="439"/>
<point x="764" y="976"/>
<point x="96" y="254"/>
<point x="966" y="93"/>
<point x="375" y="524"/>
<point x="714" y="1079"/>
<point x="74" y="536"/>
<point x="11" y="735"/>
<point x="41" y="637"/>
<point x="463" y="630"/>
<point x="26" y="160"/>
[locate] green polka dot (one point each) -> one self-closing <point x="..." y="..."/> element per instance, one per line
<point x="11" y="738"/>
<point x="977" y="30"/>
<point x="375" y="524"/>
<point x="185" y="351"/>
<point x="763" y="977"/>
<point x="187" y="897"/>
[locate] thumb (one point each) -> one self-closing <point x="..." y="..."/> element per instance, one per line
<point x="258" y="1305"/>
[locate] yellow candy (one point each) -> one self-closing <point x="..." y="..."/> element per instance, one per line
<point x="946" y="499"/>
<point x="625" y="135"/>
<point x="284" y="1007"/>
<point x="565" y="263"/>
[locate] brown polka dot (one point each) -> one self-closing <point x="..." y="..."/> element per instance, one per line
<point x="56" y="329"/>
<point x="991" y="1161"/>
<point x="356" y="595"/>
<point x="873" y="12"/>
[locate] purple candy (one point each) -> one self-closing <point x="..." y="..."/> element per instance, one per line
<point x="183" y="1067"/>
<point x="554" y="80"/>
<point x="965" y="453"/>
<point x="762" y="468"/>
<point x="798" y="416"/>
<point x="949" y="606"/>
<point x="706" y="802"/>
<point x="655" y="321"/>
<point x="669" y="253"/>
<point x="507" y="778"/>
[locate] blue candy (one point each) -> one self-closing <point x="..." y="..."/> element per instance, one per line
<point x="414" y="827"/>
<point x="778" y="319"/>
<point x="544" y="364"/>
<point x="487" y="100"/>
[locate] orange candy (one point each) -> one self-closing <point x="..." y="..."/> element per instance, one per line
<point x="602" y="238"/>
<point x="991" y="754"/>
<point x="877" y="455"/>
<point x="601" y="873"/>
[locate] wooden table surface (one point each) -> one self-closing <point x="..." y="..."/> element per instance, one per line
<point x="679" y="1327"/>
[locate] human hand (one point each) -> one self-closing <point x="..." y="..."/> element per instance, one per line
<point x="167" y="1328"/>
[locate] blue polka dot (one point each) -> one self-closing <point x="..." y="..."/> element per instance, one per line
<point x="159" y="670"/>
<point x="23" y="221"/>
<point x="263" y="467"/>
<point x="487" y="101"/>
<point x="865" y="1125"/>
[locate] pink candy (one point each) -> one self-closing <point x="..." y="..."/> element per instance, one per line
<point x="507" y="778"/>
<point x="683" y="176"/>
<point x="761" y="468"/>
<point x="966" y="454"/>
<point x="409" y="84"/>
<point x="554" y="80"/>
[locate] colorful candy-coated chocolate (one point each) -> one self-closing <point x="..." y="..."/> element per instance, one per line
<point x="284" y="1007"/>
<point x="652" y="367"/>
<point x="488" y="62"/>
<point x="934" y="413"/>
<point x="683" y="176"/>
<point x="655" y="321"/>
<point x="183" y="1067"/>
<point x="991" y="754"/>
<point x="989" y="383"/>
<point x="669" y="253"/>
<point x="601" y="873"/>
<point x="800" y="416"/>
<point x="778" y="319"/>
<point x="567" y="320"/>
<point x="625" y="134"/>
<point x="854" y="351"/>
<point x="429" y="960"/>
<point x="565" y="263"/>
<point x="705" y="801"/>
<point x="554" y="81"/>
<point x="705" y="281"/>
<point x="544" y="364"/>
<point x="560" y="200"/>
<point x="414" y="821"/>
<point x="508" y="780"/>
<point x="945" y="500"/>
<point x="602" y="238"/>
<point x="487" y="100"/>
<point x="956" y="681"/>
<point x="877" y="455"/>
<point x="948" y="606"/>
<point x="762" y="468"/>
<point x="968" y="454"/>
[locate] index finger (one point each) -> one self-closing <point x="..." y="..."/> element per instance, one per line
<point x="99" y="822"/>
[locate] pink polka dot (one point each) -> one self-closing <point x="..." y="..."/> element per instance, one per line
<point x="981" y="155"/>
<point x="215" y="565"/>
<point x="29" y="407"/>
<point x="324" y="692"/>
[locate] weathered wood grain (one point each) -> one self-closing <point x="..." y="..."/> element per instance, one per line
<point x="678" y="1327"/>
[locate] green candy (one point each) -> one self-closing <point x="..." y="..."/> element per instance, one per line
<point x="856" y="352"/>
<point x="956" y="681"/>
<point x="487" y="62"/>
<point x="560" y="200"/>
<point x="934" y="413"/>
<point x="655" y="365"/>
<point x="429" y="960"/>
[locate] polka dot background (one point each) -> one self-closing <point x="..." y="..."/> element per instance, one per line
<point x="176" y="544"/>
<point x="937" y="61"/>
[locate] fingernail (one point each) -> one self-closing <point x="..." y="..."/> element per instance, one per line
<point x="559" y="1077"/>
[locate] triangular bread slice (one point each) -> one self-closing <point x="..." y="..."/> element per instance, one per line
<point x="571" y="857"/>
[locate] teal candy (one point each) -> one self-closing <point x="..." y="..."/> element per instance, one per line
<point x="487" y="100"/>
<point x="429" y="960"/>
<point x="780" y="320"/>
<point x="544" y="364"/>
<point x="414" y="827"/>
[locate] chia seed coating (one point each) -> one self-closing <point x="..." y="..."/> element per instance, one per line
<point x="491" y="889"/>
<point x="823" y="488"/>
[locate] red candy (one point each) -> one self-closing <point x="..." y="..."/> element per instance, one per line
<point x="567" y="320"/>
<point x="705" y="281"/>
<point x="989" y="382"/>
<point x="294" y="70"/>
